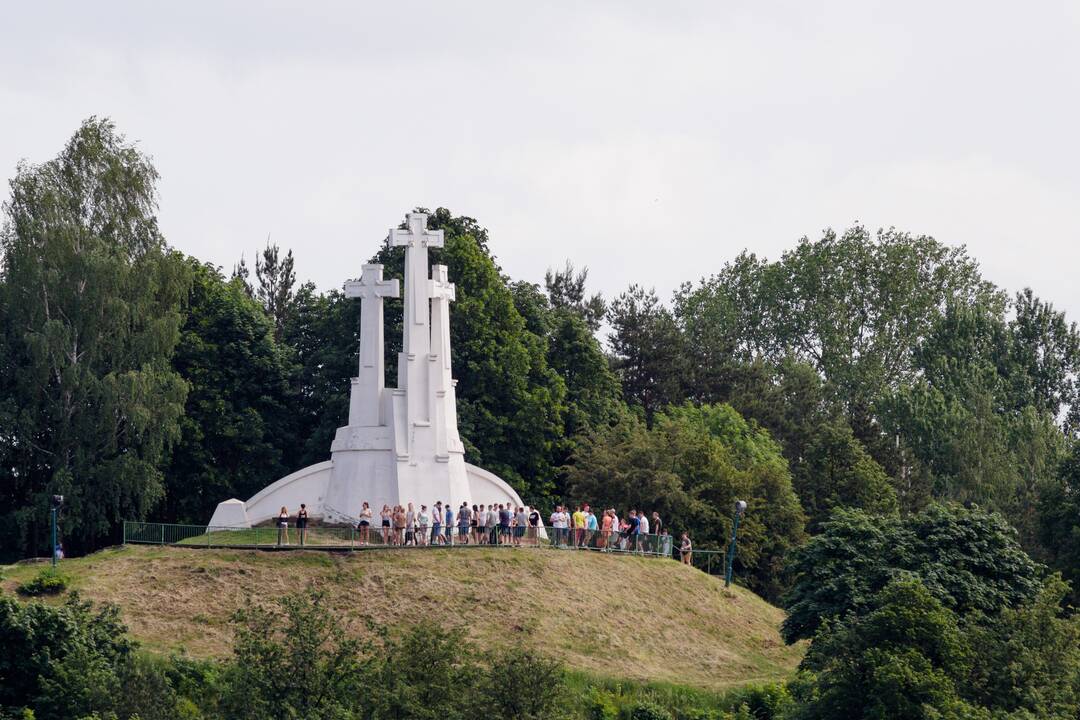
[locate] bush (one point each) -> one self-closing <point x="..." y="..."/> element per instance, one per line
<point x="649" y="711"/>
<point x="762" y="702"/>
<point x="520" y="684"/>
<point x="602" y="706"/>
<point x="49" y="581"/>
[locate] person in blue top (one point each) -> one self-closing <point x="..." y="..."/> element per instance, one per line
<point x="591" y="526"/>
<point x="632" y="531"/>
<point x="448" y="526"/>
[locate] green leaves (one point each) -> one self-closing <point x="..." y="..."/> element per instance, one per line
<point x="238" y="432"/>
<point x="691" y="466"/>
<point x="91" y="304"/>
<point x="970" y="560"/>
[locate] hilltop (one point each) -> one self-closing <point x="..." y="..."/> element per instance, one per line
<point x="620" y="617"/>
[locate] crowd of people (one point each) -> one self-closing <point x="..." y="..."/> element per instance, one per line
<point x="505" y="524"/>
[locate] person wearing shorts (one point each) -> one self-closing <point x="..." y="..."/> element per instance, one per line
<point x="464" y="521"/>
<point x="448" y="525"/>
<point x="364" y="524"/>
<point x="399" y="525"/>
<point x="492" y="522"/>
<point x="519" y="525"/>
<point x="387" y="516"/>
<point x="283" y="526"/>
<point x="421" y="536"/>
<point x="534" y="526"/>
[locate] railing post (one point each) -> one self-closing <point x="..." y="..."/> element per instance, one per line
<point x="124" y="540"/>
<point x="162" y="533"/>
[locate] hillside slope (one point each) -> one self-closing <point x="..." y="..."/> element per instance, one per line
<point x="622" y="617"/>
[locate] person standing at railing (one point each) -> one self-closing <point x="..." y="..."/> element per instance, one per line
<point x="631" y="536"/>
<point x="464" y="522"/>
<point x="504" y="524"/>
<point x="448" y="524"/>
<point x="578" y="520"/>
<point x="591" y="526"/>
<point x="477" y="523"/>
<point x="422" y="520"/>
<point x="643" y="533"/>
<point x="364" y="524"/>
<point x="410" y="526"/>
<point x="399" y="525"/>
<point x="283" y="526"/>
<point x="657" y="526"/>
<point x="387" y="517"/>
<point x="559" y="525"/>
<point x="436" y="523"/>
<point x="301" y="523"/>
<point x="492" y="525"/>
<point x="605" y="531"/>
<point x="520" y="523"/>
<point x="534" y="526"/>
<point x="686" y="549"/>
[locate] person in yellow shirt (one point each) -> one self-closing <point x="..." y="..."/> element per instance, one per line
<point x="579" y="527"/>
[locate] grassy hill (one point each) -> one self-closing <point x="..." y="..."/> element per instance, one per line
<point x="620" y="617"/>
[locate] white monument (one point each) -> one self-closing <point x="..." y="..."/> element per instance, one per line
<point x="401" y="444"/>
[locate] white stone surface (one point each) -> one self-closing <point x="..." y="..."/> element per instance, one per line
<point x="231" y="514"/>
<point x="401" y="444"/>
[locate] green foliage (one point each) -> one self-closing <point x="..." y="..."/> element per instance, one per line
<point x="275" y="290"/>
<point x="907" y="655"/>
<point x="521" y="684"/>
<point x="902" y="659"/>
<point x="90" y="300"/>
<point x="49" y="581"/>
<point x="239" y="417"/>
<point x="1028" y="658"/>
<point x="980" y="421"/>
<point x="566" y="291"/>
<point x="852" y="304"/>
<point x="1059" y="518"/>
<point x="295" y="663"/>
<point x="691" y="467"/>
<point x="64" y="661"/>
<point x="649" y="711"/>
<point x="835" y="471"/>
<point x="968" y="559"/>
<point x="647" y="345"/>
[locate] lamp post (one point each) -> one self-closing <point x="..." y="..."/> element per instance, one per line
<point x="740" y="510"/>
<point x="54" y="509"/>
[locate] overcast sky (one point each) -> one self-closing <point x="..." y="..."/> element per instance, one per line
<point x="650" y="141"/>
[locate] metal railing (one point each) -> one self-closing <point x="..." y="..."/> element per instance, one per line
<point x="375" y="537"/>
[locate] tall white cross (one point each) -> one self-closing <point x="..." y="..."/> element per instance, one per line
<point x="367" y="389"/>
<point x="416" y="239"/>
<point x="442" y="293"/>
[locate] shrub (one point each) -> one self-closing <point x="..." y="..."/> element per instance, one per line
<point x="649" y="711"/>
<point x="602" y="706"/>
<point x="520" y="684"/>
<point x="49" y="581"/>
